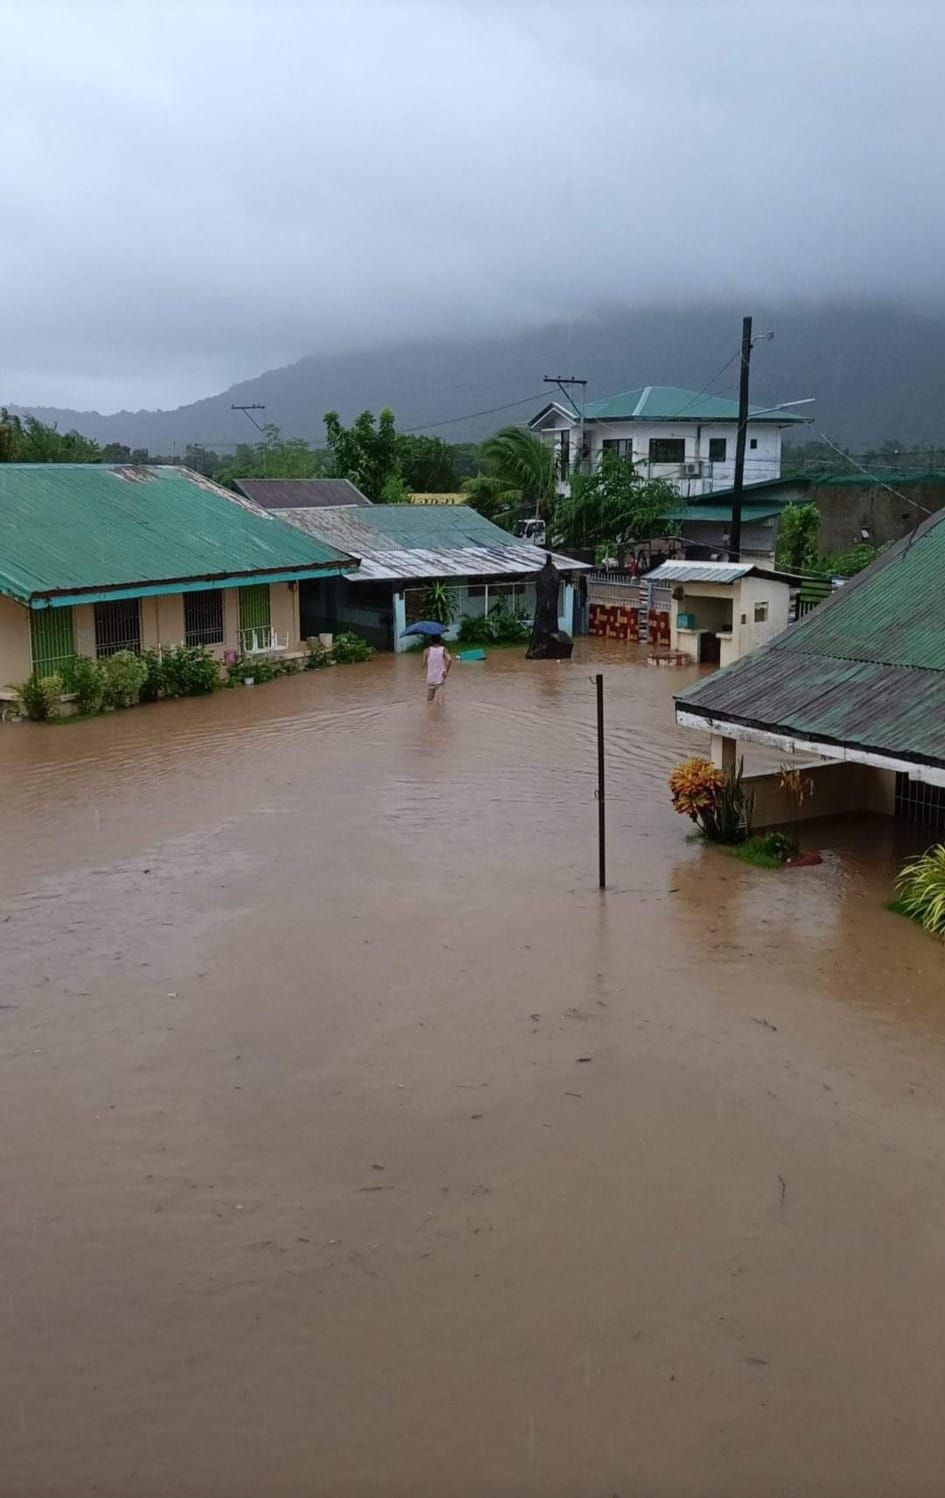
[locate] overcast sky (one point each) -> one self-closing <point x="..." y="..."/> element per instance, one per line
<point x="194" y="193"/>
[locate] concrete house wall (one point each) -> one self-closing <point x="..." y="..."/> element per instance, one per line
<point x="763" y="461"/>
<point x="162" y="623"/>
<point x="729" y="609"/>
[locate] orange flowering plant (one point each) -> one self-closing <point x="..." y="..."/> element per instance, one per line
<point x="717" y="802"/>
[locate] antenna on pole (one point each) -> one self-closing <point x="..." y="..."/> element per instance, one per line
<point x="562" y="382"/>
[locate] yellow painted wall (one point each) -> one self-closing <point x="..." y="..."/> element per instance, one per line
<point x="83" y="628"/>
<point x="284" y="612"/>
<point x="15" y="659"/>
<point x="439" y="499"/>
<point x="837" y="788"/>
<point x="162" y="623"/>
<point x="231" y="618"/>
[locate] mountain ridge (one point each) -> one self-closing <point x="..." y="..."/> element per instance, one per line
<point x="876" y="369"/>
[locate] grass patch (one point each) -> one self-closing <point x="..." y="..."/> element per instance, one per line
<point x="763" y="852"/>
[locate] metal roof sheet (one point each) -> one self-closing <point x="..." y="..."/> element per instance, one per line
<point x="670" y="403"/>
<point x="713" y="572"/>
<point x="423" y="541"/>
<point x="865" y="668"/>
<point x="72" y="528"/>
<point x="300" y="494"/>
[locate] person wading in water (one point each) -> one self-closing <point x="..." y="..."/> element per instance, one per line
<point x="437" y="660"/>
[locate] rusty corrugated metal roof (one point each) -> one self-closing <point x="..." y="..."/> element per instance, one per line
<point x="423" y="541"/>
<point x="865" y="669"/>
<point x="301" y="494"/>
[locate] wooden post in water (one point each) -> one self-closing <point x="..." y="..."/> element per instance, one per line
<point x="601" y="821"/>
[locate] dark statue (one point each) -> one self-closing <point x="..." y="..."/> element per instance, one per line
<point x="548" y="642"/>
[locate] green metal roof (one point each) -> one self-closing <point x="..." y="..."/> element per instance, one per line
<point x="770" y="511"/>
<point x="71" y="531"/>
<point x="669" y="403"/>
<point x="765" y="487"/>
<point x="866" y="668"/>
<point x="895" y="477"/>
<point x="431" y="527"/>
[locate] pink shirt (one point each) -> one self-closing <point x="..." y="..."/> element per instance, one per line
<point x="436" y="665"/>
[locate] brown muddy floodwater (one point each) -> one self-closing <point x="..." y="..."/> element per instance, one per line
<point x="353" y="1145"/>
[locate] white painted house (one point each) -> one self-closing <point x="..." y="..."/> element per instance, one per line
<point x="680" y="435"/>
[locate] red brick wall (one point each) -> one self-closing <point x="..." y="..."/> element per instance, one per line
<point x="615" y="621"/>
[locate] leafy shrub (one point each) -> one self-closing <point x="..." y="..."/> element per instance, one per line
<point x="318" y="656"/>
<point x="439" y="604"/>
<point x="85" y="679"/>
<point x="475" y="629"/>
<point x="285" y="665"/>
<point x="716" y="802"/>
<point x="41" y="696"/>
<point x="154" y="684"/>
<point x="259" y="667"/>
<point x="767" y="850"/>
<point x="509" y="626"/>
<point x="179" y="671"/>
<point x="189" y="671"/>
<point x="124" y="675"/>
<point x="921" y="885"/>
<point x="501" y="626"/>
<point x="349" y="648"/>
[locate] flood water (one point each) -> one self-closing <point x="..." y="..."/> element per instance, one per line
<point x="353" y="1144"/>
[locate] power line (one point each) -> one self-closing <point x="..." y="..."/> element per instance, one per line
<point x="447" y="421"/>
<point x="835" y="447"/>
<point x="705" y="389"/>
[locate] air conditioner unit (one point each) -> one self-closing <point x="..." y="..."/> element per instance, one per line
<point x="692" y="470"/>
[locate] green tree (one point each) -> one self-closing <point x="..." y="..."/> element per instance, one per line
<point x="798" y="529"/>
<point x="614" y="506"/>
<point x="525" y="467"/>
<point x="27" y="440"/>
<point x="490" y="496"/>
<point x="275" y="457"/>
<point x="366" y="452"/>
<point x="428" y="464"/>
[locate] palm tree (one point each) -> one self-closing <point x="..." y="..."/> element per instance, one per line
<point x="523" y="463"/>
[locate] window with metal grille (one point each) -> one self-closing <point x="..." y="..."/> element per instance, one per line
<point x="52" y="641"/>
<point x="718" y="447"/>
<point x="203" y="617"/>
<point x="920" y="803"/>
<point x="254" y="606"/>
<point x="667" y="449"/>
<point x="118" y="626"/>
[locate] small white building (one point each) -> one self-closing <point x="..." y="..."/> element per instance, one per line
<point x="723" y="610"/>
<point x="680" y="435"/>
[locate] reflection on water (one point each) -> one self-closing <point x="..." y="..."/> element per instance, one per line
<point x="351" y="1130"/>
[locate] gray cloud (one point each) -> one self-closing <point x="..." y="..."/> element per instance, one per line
<point x="193" y="193"/>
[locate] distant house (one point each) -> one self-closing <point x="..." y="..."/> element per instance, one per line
<point x="405" y="548"/>
<point x="680" y="435"/>
<point x="704" y="522"/>
<point x="875" y="507"/>
<point x="97" y="558"/>
<point x="859" y="682"/>
<point x="300" y="494"/>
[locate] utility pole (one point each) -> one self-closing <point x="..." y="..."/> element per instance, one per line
<point x="735" y="534"/>
<point x="563" y="382"/>
<point x="248" y="413"/>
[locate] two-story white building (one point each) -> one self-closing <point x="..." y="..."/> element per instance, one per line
<point x="680" y="435"/>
